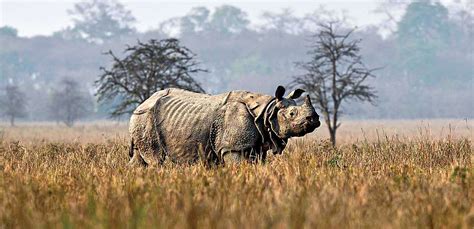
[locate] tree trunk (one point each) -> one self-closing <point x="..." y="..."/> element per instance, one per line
<point x="12" y="120"/>
<point x="334" y="128"/>
<point x="69" y="123"/>
<point x="327" y="119"/>
<point x="335" y="100"/>
<point x="332" y="134"/>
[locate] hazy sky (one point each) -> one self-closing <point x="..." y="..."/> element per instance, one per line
<point x="43" y="17"/>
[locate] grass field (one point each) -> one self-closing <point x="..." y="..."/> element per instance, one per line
<point x="390" y="174"/>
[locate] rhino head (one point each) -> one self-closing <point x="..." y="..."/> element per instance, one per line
<point x="288" y="119"/>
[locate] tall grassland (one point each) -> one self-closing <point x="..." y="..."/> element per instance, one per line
<point x="382" y="174"/>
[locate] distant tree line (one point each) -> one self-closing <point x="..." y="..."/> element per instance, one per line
<point x="13" y="104"/>
<point x="426" y="60"/>
<point x="69" y="103"/>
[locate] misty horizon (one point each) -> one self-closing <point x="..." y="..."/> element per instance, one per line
<point x="54" y="16"/>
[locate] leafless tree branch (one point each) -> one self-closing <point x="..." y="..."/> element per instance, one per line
<point x="335" y="73"/>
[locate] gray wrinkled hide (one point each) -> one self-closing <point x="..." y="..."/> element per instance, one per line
<point x="185" y="126"/>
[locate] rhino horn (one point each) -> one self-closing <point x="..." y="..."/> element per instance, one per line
<point x="307" y="101"/>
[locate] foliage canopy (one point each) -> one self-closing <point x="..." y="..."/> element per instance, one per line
<point x="145" y="69"/>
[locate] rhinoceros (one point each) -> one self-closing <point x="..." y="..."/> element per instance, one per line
<point x="236" y="126"/>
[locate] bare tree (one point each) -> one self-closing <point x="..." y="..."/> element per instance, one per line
<point x="13" y="103"/>
<point x="334" y="74"/>
<point x="147" y="68"/>
<point x="69" y="103"/>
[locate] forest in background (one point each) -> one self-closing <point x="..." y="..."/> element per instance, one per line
<point x="426" y="56"/>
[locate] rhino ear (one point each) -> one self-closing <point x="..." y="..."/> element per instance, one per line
<point x="295" y="94"/>
<point x="280" y="91"/>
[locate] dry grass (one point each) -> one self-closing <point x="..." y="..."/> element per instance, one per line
<point x="96" y="132"/>
<point x="350" y="131"/>
<point x="407" y="175"/>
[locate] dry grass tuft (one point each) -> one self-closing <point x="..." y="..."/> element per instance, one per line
<point x="389" y="181"/>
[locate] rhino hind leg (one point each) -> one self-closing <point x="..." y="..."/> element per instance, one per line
<point x="158" y="153"/>
<point x="135" y="157"/>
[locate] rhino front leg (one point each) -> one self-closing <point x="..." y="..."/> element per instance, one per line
<point x="251" y="155"/>
<point x="232" y="157"/>
<point x="256" y="155"/>
<point x="262" y="157"/>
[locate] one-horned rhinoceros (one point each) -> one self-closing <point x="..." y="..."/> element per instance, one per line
<point x="239" y="125"/>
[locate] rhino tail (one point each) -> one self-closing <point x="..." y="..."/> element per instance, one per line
<point x="130" y="151"/>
